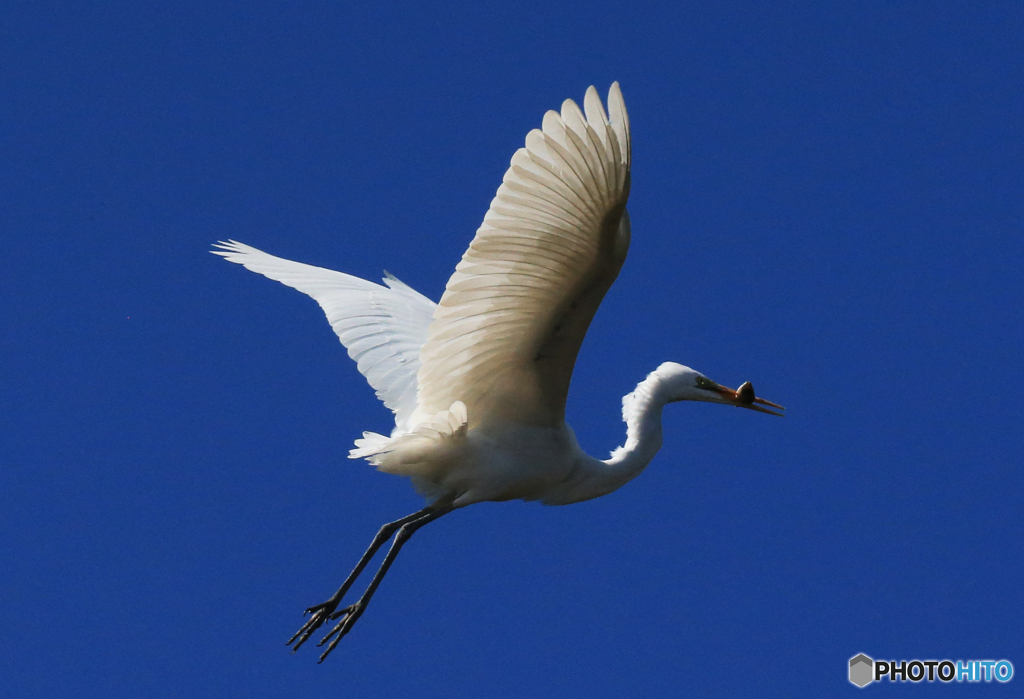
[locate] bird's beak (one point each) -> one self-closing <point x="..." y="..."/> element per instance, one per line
<point x="744" y="397"/>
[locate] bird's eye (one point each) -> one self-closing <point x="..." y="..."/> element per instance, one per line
<point x="702" y="382"/>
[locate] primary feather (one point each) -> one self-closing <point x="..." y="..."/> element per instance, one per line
<point x="506" y="333"/>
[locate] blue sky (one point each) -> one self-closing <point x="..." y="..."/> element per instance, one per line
<point x="827" y="201"/>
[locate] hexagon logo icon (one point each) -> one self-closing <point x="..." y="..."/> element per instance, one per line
<point x="862" y="670"/>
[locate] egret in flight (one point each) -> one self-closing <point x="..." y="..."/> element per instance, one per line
<point x="478" y="382"/>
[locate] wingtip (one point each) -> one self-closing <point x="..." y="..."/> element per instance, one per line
<point x="230" y="245"/>
<point x="233" y="251"/>
<point x="597" y="117"/>
<point x="620" y="117"/>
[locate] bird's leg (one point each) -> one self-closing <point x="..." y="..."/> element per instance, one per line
<point x="322" y="611"/>
<point x="350" y="614"/>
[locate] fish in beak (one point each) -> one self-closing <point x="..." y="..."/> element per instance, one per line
<point x="743" y="397"/>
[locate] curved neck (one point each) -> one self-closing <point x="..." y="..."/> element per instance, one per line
<point x="641" y="411"/>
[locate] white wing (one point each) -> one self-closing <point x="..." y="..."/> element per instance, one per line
<point x="383" y="327"/>
<point x="507" y="331"/>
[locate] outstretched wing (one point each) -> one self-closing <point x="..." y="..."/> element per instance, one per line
<point x="507" y="331"/>
<point x="383" y="327"/>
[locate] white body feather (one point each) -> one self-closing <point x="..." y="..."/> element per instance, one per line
<point x="478" y="383"/>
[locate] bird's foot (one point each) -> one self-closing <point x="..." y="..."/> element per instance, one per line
<point x="320" y="613"/>
<point x="348" y="617"/>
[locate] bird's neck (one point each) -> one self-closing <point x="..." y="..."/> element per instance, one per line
<point x="641" y="410"/>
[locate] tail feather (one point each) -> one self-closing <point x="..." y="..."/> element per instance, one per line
<point x="371" y="443"/>
<point x="413" y="453"/>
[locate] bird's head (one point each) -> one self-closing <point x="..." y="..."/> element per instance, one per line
<point x="683" y="383"/>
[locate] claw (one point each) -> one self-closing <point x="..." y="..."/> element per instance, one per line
<point x="348" y="617"/>
<point x="305" y="632"/>
<point x="297" y="633"/>
<point x="334" y="643"/>
<point x="346" y="613"/>
<point x="320" y="613"/>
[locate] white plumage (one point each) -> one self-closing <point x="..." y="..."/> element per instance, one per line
<point x="478" y="382"/>
<point x="505" y="336"/>
<point x="383" y="327"/>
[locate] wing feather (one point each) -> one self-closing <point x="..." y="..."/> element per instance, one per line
<point x="506" y="333"/>
<point x="383" y="327"/>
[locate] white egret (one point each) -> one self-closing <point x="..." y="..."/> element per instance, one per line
<point x="478" y="382"/>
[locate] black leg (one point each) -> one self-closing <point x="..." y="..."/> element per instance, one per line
<point x="350" y="614"/>
<point x="322" y="611"/>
